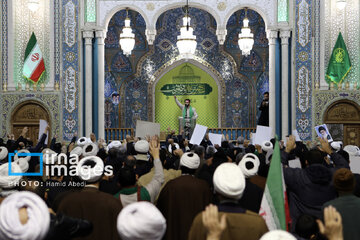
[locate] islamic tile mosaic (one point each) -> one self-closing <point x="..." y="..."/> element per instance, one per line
<point x="303" y="69"/>
<point x="135" y="86"/>
<point x="323" y="99"/>
<point x="4" y="43"/>
<point x="27" y="22"/>
<point x="70" y="67"/>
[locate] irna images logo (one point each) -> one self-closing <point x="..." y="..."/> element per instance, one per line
<point x="60" y="165"/>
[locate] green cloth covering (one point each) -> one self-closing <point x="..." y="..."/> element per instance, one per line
<point x="191" y="112"/>
<point x="144" y="194"/>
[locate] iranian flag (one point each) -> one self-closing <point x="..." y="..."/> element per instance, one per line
<point x="34" y="65"/>
<point x="274" y="205"/>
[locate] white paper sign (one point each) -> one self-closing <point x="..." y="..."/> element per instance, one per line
<point x="198" y="134"/>
<point x="295" y="163"/>
<point x="296" y="135"/>
<point x="355" y="164"/>
<point x="43" y="124"/>
<point x="262" y="134"/>
<point x="144" y="128"/>
<point x="215" y="138"/>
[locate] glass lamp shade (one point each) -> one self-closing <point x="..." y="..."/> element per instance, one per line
<point x="341" y="4"/>
<point x="246" y="38"/>
<point x="127" y="38"/>
<point x="33" y="5"/>
<point x="186" y="41"/>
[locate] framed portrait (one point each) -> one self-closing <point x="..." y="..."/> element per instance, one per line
<point x="323" y="132"/>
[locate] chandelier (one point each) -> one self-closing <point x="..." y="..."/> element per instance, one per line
<point x="127" y="38"/>
<point x="246" y="38"/>
<point x="341" y="4"/>
<point x="33" y="5"/>
<point x="186" y="41"/>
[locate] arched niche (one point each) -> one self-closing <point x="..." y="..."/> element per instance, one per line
<point x="28" y="114"/>
<point x="344" y="115"/>
<point x="194" y="83"/>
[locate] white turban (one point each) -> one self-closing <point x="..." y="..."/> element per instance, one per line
<point x="23" y="164"/>
<point x="49" y="155"/>
<point x="27" y="158"/>
<point x="249" y="171"/>
<point x="267" y="146"/>
<point x="77" y="151"/>
<point x="141" y="220"/>
<point x="352" y="150"/>
<point x="336" y="145"/>
<point x="82" y="141"/>
<point x="170" y="147"/>
<point x="38" y="221"/>
<point x="114" y="144"/>
<point x="3" y="153"/>
<point x="142" y="148"/>
<point x="229" y="181"/>
<point x="277" y="235"/>
<point x="90" y="149"/>
<point x="190" y="160"/>
<point x="88" y="173"/>
<point x="7" y="181"/>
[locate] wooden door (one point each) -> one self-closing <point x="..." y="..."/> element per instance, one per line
<point x="28" y="115"/>
<point x="352" y="134"/>
<point x="347" y="114"/>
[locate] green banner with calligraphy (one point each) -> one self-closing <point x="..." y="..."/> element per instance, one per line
<point x="186" y="89"/>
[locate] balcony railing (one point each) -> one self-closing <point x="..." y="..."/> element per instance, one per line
<point x="234" y="133"/>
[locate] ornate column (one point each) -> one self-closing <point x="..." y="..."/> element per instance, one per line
<point x="272" y="36"/>
<point x="284" y="35"/>
<point x="100" y="35"/>
<point x="150" y="35"/>
<point x="88" y="36"/>
<point x="221" y="35"/>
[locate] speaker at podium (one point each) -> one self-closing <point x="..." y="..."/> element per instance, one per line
<point x="186" y="126"/>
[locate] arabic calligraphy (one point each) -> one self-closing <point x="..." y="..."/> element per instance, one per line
<point x="186" y="89"/>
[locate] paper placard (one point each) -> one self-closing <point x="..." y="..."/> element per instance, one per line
<point x="295" y="163"/>
<point x="215" y="138"/>
<point x="198" y="134"/>
<point x="43" y="124"/>
<point x="144" y="128"/>
<point x="262" y="134"/>
<point x="296" y="135"/>
<point x="323" y="132"/>
<point x="355" y="164"/>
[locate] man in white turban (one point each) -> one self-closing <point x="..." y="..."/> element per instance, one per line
<point x="141" y="220"/>
<point x="249" y="166"/>
<point x="24" y="216"/>
<point x="182" y="198"/>
<point x="229" y="185"/>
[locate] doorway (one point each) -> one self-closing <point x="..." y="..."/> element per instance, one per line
<point x="28" y="114"/>
<point x="344" y="117"/>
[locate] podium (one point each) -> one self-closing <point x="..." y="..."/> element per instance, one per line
<point x="187" y="125"/>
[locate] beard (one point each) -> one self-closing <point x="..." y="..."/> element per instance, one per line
<point x="187" y="105"/>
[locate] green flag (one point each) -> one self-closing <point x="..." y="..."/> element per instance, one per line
<point x="339" y="64"/>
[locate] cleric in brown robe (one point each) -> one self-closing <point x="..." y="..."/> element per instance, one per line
<point x="100" y="208"/>
<point x="182" y="198"/>
<point x="229" y="184"/>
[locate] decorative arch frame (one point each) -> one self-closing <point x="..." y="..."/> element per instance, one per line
<point x="203" y="66"/>
<point x="24" y="102"/>
<point x="343" y="101"/>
